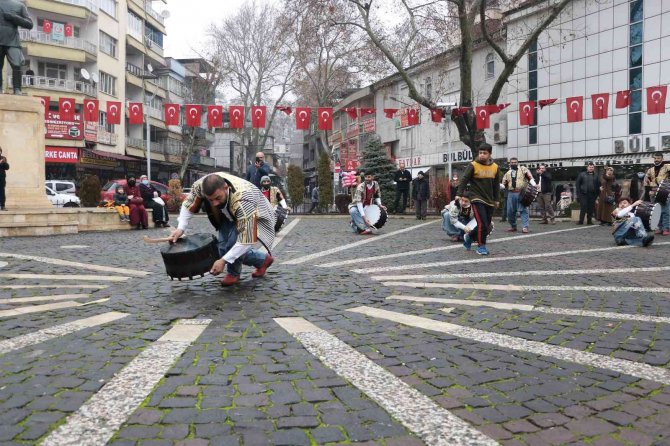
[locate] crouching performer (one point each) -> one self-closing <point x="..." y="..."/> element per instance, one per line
<point x="243" y="217"/>
<point x="367" y="193"/>
<point x="458" y="220"/>
<point x="628" y="228"/>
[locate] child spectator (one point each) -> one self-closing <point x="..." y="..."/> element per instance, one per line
<point x="121" y="204"/>
<point x="628" y="227"/>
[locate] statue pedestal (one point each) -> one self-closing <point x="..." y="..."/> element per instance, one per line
<point x="22" y="142"/>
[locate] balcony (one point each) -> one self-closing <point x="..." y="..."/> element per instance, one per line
<point x="155" y="47"/>
<point x="68" y="43"/>
<point x="135" y="142"/>
<point x="135" y="70"/>
<point x="159" y="18"/>
<point x="105" y="137"/>
<point x="154" y="113"/>
<point x="88" y="4"/>
<point x="50" y="83"/>
<point x="82" y="9"/>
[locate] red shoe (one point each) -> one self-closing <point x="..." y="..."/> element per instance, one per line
<point x="260" y="271"/>
<point x="511" y="230"/>
<point x="658" y="232"/>
<point x="366" y="232"/>
<point x="229" y="280"/>
<point x="666" y="232"/>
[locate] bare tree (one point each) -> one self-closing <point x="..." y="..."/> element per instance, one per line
<point x="257" y="64"/>
<point x="470" y="21"/>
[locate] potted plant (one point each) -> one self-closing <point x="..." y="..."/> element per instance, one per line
<point x="574" y="211"/>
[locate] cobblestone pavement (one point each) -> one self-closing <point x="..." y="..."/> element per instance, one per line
<point x="581" y="355"/>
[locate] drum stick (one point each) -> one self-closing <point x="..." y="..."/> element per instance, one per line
<point x="156" y="240"/>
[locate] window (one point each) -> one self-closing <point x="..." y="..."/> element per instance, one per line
<point x="634" y="123"/>
<point x="490" y="66"/>
<point x="635" y="73"/>
<point x="636" y="11"/>
<point x="532" y="87"/>
<point x="154" y="35"/>
<point x="429" y="87"/>
<point x="135" y="26"/>
<point x="636" y="34"/>
<point x="635" y="101"/>
<point x="52" y="70"/>
<point x="108" y="6"/>
<point x="108" y="44"/>
<point x="636" y="56"/>
<point x="532" y="134"/>
<point x="102" y="121"/>
<point x="107" y="83"/>
<point x="635" y="78"/>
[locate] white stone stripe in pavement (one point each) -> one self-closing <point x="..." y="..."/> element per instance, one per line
<point x="96" y="421"/>
<point x="55" y="297"/>
<point x="483" y="286"/>
<point x="55" y="285"/>
<point x="369" y="239"/>
<point x="46" y="307"/>
<point x="540" y="309"/>
<point x="447" y="248"/>
<point x="84" y="278"/>
<point x="89" y="266"/>
<point x="418" y="413"/>
<point x="285" y="230"/>
<point x="637" y="369"/>
<point x="3" y="264"/>
<point x="494" y="258"/>
<point x="9" y="345"/>
<point x="553" y="272"/>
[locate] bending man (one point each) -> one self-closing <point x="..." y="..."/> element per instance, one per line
<point x="367" y="193"/>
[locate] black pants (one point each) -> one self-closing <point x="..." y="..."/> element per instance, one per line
<point x="314" y="205"/>
<point x="587" y="205"/>
<point x="15" y="58"/>
<point x="398" y="193"/>
<point x="158" y="211"/>
<point x="2" y="192"/>
<point x="483" y="215"/>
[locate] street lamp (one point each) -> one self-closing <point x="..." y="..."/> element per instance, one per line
<point x="145" y="76"/>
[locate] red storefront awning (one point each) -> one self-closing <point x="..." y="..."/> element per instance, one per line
<point x="116" y="156"/>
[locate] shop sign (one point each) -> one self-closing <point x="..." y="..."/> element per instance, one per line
<point x="57" y="128"/>
<point x="409" y="162"/>
<point x="91" y="132"/>
<point x="354" y="130"/>
<point x="66" y="155"/>
<point x="97" y="160"/>
<point x="369" y="125"/>
<point x="336" y="137"/>
<point x="458" y="157"/>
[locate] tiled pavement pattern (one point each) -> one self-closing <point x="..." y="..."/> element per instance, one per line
<point x="247" y="381"/>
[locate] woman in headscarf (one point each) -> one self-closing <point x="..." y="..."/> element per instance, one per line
<point x="138" y="214"/>
<point x="152" y="200"/>
<point x="609" y="194"/>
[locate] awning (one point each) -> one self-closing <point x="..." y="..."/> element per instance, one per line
<point x="116" y="156"/>
<point x="599" y="160"/>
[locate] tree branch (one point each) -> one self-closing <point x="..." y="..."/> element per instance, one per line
<point x="487" y="37"/>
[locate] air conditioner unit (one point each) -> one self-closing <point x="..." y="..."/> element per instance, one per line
<point x="500" y="132"/>
<point x="619" y="146"/>
<point x="634" y="144"/>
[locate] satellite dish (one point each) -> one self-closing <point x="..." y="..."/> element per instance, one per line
<point x="165" y="14"/>
<point x="94" y="78"/>
<point x="150" y="68"/>
<point x="84" y="73"/>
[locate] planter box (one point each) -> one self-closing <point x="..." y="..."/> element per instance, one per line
<point x="574" y="215"/>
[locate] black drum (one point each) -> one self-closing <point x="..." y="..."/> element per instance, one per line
<point x="663" y="192"/>
<point x="280" y="217"/>
<point x="650" y="214"/>
<point x="376" y="215"/>
<point x="528" y="194"/>
<point x="190" y="256"/>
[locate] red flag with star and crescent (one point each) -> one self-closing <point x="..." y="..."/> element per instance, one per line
<point x="258" y="116"/>
<point x="236" y="114"/>
<point x="193" y="114"/>
<point x="412" y="116"/>
<point x="302" y="118"/>
<point x="68" y="31"/>
<point x="600" y="105"/>
<point x="527" y="113"/>
<point x="436" y="115"/>
<point x="135" y="113"/>
<point x="47" y="26"/>
<point x="66" y="109"/>
<point x="367" y="111"/>
<point x="499" y="107"/>
<point x="483" y="117"/>
<point x="575" y="107"/>
<point x="622" y="99"/>
<point x="214" y="116"/>
<point x="171" y="114"/>
<point x="285" y="108"/>
<point x="325" y="118"/>
<point x="91" y="107"/>
<point x="352" y="112"/>
<point x="544" y="102"/>
<point x="390" y="112"/>
<point x="656" y="99"/>
<point x="45" y="100"/>
<point x="113" y="112"/>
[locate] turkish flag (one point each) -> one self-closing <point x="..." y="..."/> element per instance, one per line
<point x="483" y="117"/>
<point x="45" y="100"/>
<point x="575" y="106"/>
<point x="325" y="118"/>
<point x="68" y="30"/>
<point x="544" y="102"/>
<point x="656" y="99"/>
<point x="171" y="114"/>
<point x="389" y="112"/>
<point x="302" y="118"/>
<point x="113" y="112"/>
<point x="527" y="113"/>
<point x="236" y="114"/>
<point x="367" y="111"/>
<point x="47" y="26"/>
<point x="498" y="108"/>
<point x="622" y="99"/>
<point x="460" y="111"/>
<point x="193" y="114"/>
<point x="66" y="109"/>
<point x="436" y="115"/>
<point x="412" y="116"/>
<point x="599" y="105"/>
<point x="214" y="116"/>
<point x="258" y="116"/>
<point x="352" y="112"/>
<point x="286" y="109"/>
<point x="91" y="107"/>
<point x="135" y="113"/>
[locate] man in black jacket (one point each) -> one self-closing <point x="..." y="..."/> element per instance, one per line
<point x="402" y="179"/>
<point x="13" y="14"/>
<point x="544" y="195"/>
<point x="421" y="193"/>
<point x="587" y="189"/>
<point x="4" y="166"/>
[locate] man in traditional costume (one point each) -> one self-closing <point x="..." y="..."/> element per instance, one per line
<point x="367" y="193"/>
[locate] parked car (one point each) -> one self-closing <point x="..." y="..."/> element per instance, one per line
<point x="62" y="200"/>
<point x="62" y="186"/>
<point x="109" y="189"/>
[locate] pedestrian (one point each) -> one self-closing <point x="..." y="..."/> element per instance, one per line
<point x="315" y="199"/>
<point x="139" y="218"/>
<point x="152" y="200"/>
<point x="243" y="218"/>
<point x="544" y="195"/>
<point x="514" y="181"/>
<point x="4" y="167"/>
<point x="656" y="174"/>
<point x="607" y="199"/>
<point x="402" y="179"/>
<point x="628" y="228"/>
<point x="421" y="194"/>
<point x="484" y="178"/>
<point x="258" y="170"/>
<point x="587" y="188"/>
<point x="367" y="193"/>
